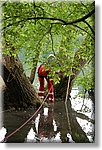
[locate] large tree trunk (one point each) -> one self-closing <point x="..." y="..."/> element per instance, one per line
<point x="61" y="88"/>
<point x="79" y="62"/>
<point x="19" y="92"/>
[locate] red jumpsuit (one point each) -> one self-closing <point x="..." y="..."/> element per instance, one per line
<point x="42" y="73"/>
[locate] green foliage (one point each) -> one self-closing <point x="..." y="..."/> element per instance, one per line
<point x="86" y="79"/>
<point x="37" y="29"/>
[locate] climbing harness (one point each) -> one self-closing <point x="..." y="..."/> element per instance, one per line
<point x="15" y="131"/>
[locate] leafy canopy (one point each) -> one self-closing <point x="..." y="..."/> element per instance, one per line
<point x="36" y="29"/>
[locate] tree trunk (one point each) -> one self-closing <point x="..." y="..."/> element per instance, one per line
<point x="61" y="88"/>
<point x="19" y="91"/>
<point x="78" y="135"/>
<point x="79" y="62"/>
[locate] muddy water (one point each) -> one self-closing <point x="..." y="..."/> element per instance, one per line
<point x="48" y="127"/>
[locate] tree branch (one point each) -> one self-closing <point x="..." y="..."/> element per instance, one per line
<point x="83" y="116"/>
<point x="89" y="27"/>
<point x="83" y="4"/>
<point x="83" y="18"/>
<point x="52" y="40"/>
<point x="83" y="30"/>
<point x="91" y="59"/>
<point x="57" y="20"/>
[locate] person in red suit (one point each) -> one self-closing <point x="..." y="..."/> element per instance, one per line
<point x="43" y="74"/>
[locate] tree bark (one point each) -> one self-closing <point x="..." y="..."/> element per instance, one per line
<point x="19" y="91"/>
<point x="79" y="62"/>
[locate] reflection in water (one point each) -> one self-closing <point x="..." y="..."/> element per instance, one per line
<point x="53" y="139"/>
<point x="87" y="127"/>
<point x="46" y="111"/>
<point x="50" y="125"/>
<point x="69" y="138"/>
<point x="54" y="125"/>
<point x="31" y="136"/>
<point x="3" y="132"/>
<point x="86" y="107"/>
<point x="44" y="132"/>
<point x="37" y="122"/>
<point x="46" y="129"/>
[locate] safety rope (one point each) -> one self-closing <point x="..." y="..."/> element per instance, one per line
<point x="67" y="112"/>
<point x="15" y="131"/>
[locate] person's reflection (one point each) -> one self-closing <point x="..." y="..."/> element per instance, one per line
<point x="46" y="129"/>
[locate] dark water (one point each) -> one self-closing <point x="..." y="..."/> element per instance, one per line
<point x="51" y="128"/>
